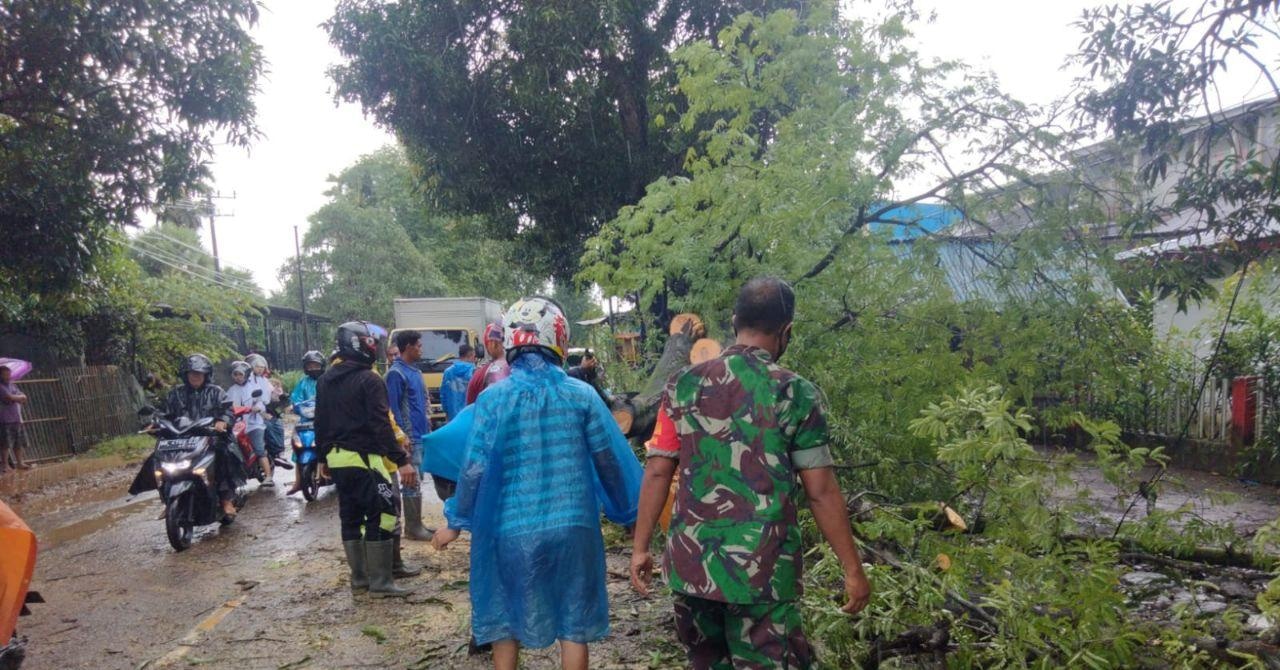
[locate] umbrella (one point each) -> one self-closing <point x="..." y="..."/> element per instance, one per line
<point x="19" y="367"/>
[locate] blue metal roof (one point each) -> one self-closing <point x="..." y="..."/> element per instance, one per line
<point x="915" y="221"/>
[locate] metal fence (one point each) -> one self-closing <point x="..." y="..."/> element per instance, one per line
<point x="1165" y="414"/>
<point x="74" y="408"/>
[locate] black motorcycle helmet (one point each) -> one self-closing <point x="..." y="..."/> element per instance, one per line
<point x="196" y="363"/>
<point x="358" y="341"/>
<point x="313" y="357"/>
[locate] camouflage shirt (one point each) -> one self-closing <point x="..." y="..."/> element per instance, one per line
<point x="741" y="427"/>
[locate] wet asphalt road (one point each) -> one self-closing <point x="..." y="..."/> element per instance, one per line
<point x="269" y="591"/>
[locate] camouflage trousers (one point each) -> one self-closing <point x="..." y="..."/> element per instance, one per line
<point x="725" y="636"/>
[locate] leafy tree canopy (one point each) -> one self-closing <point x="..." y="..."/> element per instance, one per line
<point x="380" y="238"/>
<point x="105" y="108"/>
<point x="545" y="116"/>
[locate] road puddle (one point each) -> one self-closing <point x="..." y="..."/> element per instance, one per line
<point x="15" y="484"/>
<point x="74" y="531"/>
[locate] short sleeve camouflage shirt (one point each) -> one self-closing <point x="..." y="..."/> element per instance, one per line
<point x="744" y="427"/>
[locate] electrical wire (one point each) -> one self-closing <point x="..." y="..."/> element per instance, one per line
<point x="155" y="247"/>
<point x="154" y="231"/>
<point x="195" y="271"/>
<point x="182" y="266"/>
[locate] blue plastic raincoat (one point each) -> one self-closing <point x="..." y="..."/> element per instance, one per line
<point x="453" y="387"/>
<point x="543" y="456"/>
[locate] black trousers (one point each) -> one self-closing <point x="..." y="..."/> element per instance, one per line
<point x="368" y="507"/>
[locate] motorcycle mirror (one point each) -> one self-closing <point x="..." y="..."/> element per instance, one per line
<point x="256" y="394"/>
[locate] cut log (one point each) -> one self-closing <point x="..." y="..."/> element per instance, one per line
<point x="689" y="325"/>
<point x="704" y="350"/>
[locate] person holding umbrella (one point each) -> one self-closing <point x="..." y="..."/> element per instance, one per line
<point x="13" y="436"/>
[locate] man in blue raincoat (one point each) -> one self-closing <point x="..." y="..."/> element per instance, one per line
<point x="542" y="457"/>
<point x="454" y="382"/>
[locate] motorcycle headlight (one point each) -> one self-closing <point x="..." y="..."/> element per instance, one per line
<point x="176" y="466"/>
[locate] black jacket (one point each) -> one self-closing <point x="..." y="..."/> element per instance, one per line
<point x="196" y="404"/>
<point x="352" y="413"/>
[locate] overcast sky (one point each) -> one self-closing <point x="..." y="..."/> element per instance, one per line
<point x="306" y="137"/>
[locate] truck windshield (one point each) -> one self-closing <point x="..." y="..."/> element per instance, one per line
<point x="437" y="344"/>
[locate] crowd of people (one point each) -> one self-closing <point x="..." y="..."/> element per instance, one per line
<point x="744" y="440"/>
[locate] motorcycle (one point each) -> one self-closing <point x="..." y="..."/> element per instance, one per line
<point x="241" y="434"/>
<point x="305" y="451"/>
<point x="17" y="564"/>
<point x="239" y="429"/>
<point x="183" y="463"/>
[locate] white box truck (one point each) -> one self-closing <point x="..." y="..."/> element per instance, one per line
<point x="445" y="323"/>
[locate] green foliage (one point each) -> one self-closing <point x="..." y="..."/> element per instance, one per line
<point x="544" y="116"/>
<point x="107" y="111"/>
<point x="289" y="379"/>
<point x="805" y="129"/>
<point x="129" y="447"/>
<point x="1011" y="591"/>
<point x="380" y="238"/>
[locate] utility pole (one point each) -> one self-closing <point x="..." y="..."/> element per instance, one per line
<point x="213" y="231"/>
<point x="213" y="236"/>
<point x="302" y="292"/>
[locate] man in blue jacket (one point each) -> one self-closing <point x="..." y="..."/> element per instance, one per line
<point x="408" y="399"/>
<point x="453" y="385"/>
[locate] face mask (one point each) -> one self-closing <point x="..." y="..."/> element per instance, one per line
<point x="784" y="341"/>
<point x="314" y="374"/>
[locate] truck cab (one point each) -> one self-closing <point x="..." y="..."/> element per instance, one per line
<point x="445" y="323"/>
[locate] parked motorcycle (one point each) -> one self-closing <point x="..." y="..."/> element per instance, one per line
<point x="17" y="564"/>
<point x="306" y="452"/>
<point x="183" y="464"/>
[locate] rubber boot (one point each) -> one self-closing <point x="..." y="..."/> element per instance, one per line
<point x="398" y="569"/>
<point x="379" y="557"/>
<point x="355" y="560"/>
<point x="413" y="528"/>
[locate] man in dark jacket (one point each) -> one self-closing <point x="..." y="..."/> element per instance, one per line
<point x="354" y="434"/>
<point x="197" y="398"/>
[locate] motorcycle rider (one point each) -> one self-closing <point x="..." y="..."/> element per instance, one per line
<point x="197" y="398"/>
<point x="354" y="433"/>
<point x="244" y="383"/>
<point x="312" y="367"/>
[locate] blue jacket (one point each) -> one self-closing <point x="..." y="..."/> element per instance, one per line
<point x="453" y="387"/>
<point x="408" y="399"/>
<point x="303" y="391"/>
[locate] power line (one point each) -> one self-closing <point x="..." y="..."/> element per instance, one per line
<point x="181" y="266"/>
<point x="198" y="276"/>
<point x="193" y="270"/>
<point x="185" y="245"/>
<point x="155" y="247"/>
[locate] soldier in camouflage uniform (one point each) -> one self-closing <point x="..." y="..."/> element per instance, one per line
<point x="750" y="440"/>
